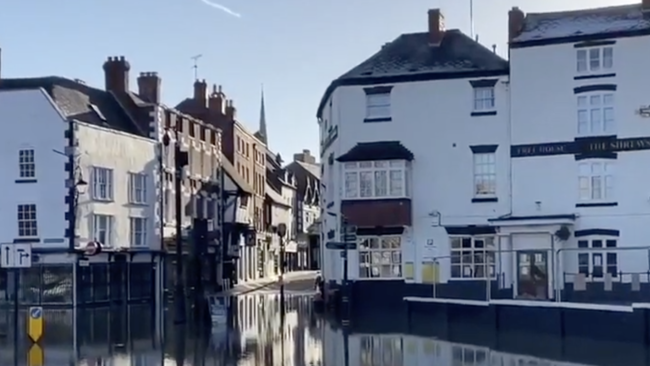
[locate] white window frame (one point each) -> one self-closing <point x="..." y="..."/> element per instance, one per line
<point x="596" y="181"/>
<point x="596" y="114"/>
<point x="102" y="184"/>
<point x="138" y="231"/>
<point x="465" y="261"/>
<point x="26" y="163"/>
<point x="374" y="170"/>
<point x="27" y="220"/>
<point x="380" y="257"/>
<point x="103" y="229"/>
<point x="607" y="259"/>
<point x="378" y="106"/>
<point x="594" y="59"/>
<point x="485" y="175"/>
<point x="138" y="188"/>
<point x="484" y="99"/>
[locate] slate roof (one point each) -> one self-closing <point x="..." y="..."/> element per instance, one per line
<point x="79" y="101"/>
<point x="379" y="150"/>
<point x="585" y="22"/>
<point x="412" y="56"/>
<point x="313" y="169"/>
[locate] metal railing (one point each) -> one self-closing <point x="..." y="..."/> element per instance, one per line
<point x="502" y="272"/>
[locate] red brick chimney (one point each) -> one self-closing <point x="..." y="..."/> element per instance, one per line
<point x="149" y="87"/>
<point x="200" y="93"/>
<point x="231" y="111"/>
<point x="116" y="74"/>
<point x="516" y="19"/>
<point x="217" y="101"/>
<point x="436" y="27"/>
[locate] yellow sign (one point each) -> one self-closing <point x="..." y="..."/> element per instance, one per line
<point x="35" y="356"/>
<point x="35" y="323"/>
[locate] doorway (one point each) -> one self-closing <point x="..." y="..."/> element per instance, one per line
<point x="532" y="275"/>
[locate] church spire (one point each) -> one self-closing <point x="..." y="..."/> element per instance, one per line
<point x="261" y="133"/>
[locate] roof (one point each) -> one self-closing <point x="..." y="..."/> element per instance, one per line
<point x="584" y="22"/>
<point x="411" y="57"/>
<point x="380" y="150"/>
<point x="274" y="196"/>
<point x="79" y="101"/>
<point x="313" y="169"/>
<point x="236" y="178"/>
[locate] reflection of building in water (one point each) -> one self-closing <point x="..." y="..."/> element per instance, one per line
<point x="400" y="350"/>
<point x="263" y="338"/>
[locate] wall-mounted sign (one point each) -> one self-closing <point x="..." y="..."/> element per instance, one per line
<point x="581" y="146"/>
<point x="644" y="111"/>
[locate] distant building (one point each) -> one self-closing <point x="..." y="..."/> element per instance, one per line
<point x="307" y="211"/>
<point x="247" y="154"/>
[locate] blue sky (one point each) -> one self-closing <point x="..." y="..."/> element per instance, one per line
<point x="293" y="47"/>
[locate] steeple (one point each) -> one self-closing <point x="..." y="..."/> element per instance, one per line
<point x="261" y="133"/>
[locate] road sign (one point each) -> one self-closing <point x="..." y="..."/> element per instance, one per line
<point x="349" y="233"/>
<point x="35" y="323"/>
<point x="35" y="356"/>
<point x="16" y="255"/>
<point x="340" y="246"/>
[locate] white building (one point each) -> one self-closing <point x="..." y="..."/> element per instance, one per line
<point x="487" y="174"/>
<point x="410" y="148"/>
<point x="80" y="174"/>
<point x="279" y="207"/>
<point x="575" y="160"/>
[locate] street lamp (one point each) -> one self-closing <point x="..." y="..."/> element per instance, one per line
<point x="181" y="160"/>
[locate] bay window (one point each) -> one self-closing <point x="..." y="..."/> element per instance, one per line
<point x="596" y="181"/>
<point x="375" y="179"/>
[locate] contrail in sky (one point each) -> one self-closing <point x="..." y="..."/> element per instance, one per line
<point x="222" y="8"/>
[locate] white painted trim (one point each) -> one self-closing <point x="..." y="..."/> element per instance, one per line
<point x="447" y="301"/>
<point x="547" y="304"/>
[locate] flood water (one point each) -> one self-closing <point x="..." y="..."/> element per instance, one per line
<point x="260" y="336"/>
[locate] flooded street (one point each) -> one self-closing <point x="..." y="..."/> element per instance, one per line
<point x="259" y="336"/>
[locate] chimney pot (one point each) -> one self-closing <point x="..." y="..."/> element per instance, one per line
<point x="149" y="87"/>
<point x="116" y="74"/>
<point x="436" y="26"/>
<point x="516" y="19"/>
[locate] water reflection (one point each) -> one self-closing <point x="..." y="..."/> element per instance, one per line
<point x="257" y="335"/>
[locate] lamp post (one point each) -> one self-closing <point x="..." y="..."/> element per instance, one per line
<point x="282" y="232"/>
<point x="180" y="161"/>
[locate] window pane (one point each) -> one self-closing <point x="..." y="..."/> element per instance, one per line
<point x="396" y="183"/>
<point x="351" y="184"/>
<point x="381" y="183"/>
<point x="594" y="59"/>
<point x="581" y="62"/>
<point x="365" y="184"/>
<point x="608" y="58"/>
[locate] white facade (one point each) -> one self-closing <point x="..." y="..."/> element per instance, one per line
<point x="433" y="120"/>
<point x="560" y="184"/>
<point x="128" y="209"/>
<point x="35" y="127"/>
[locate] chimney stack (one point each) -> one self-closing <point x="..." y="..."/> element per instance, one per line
<point x="436" y="27"/>
<point x="231" y="111"/>
<point x="516" y="19"/>
<point x="217" y="101"/>
<point x="149" y="87"/>
<point x="304" y="157"/>
<point x="200" y="93"/>
<point x="116" y="74"/>
<point x="645" y="5"/>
